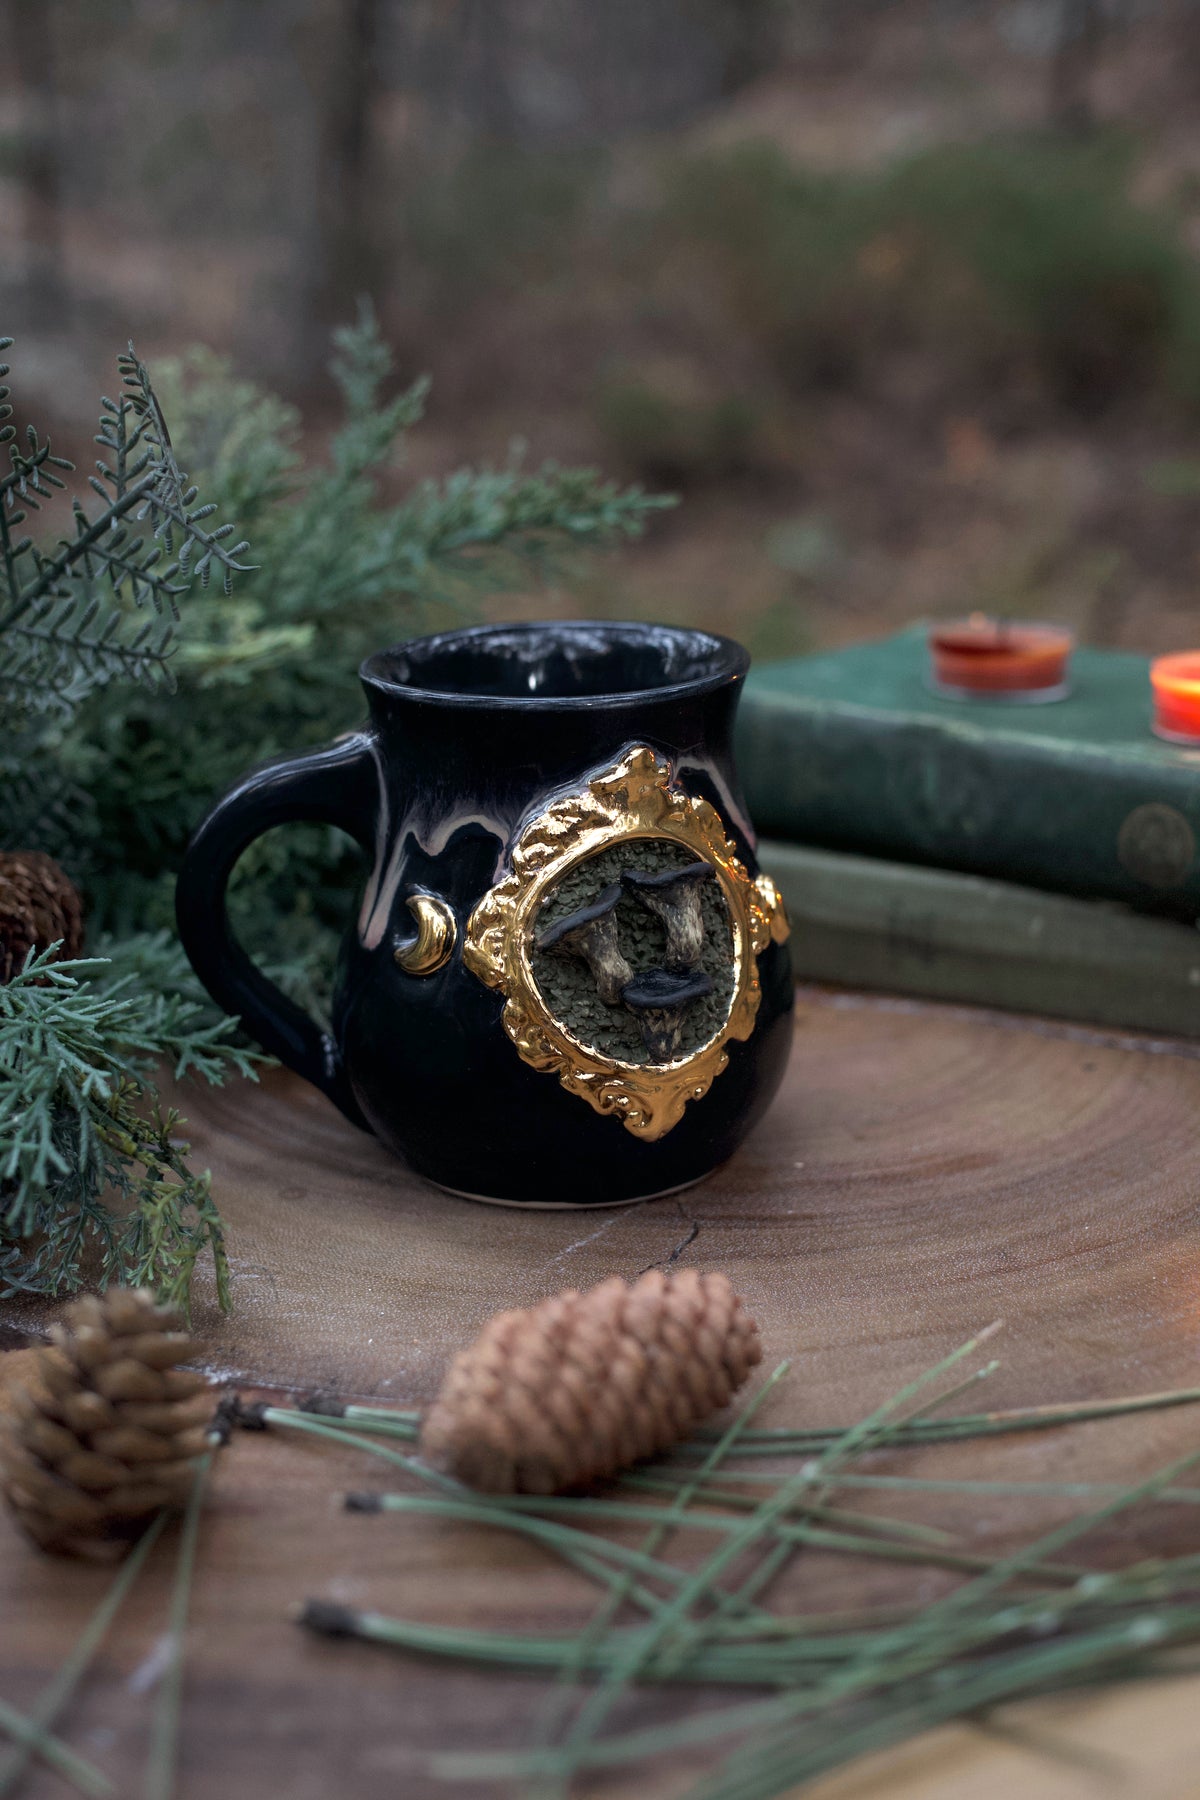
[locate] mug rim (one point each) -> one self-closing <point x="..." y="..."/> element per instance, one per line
<point x="729" y="662"/>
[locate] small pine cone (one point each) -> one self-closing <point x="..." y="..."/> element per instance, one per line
<point x="111" y="1433"/>
<point x="585" y="1384"/>
<point x="39" y="904"/>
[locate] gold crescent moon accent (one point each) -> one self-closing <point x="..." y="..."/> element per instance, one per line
<point x="435" y="939"/>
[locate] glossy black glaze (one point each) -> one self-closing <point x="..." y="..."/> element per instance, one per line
<point x="471" y="733"/>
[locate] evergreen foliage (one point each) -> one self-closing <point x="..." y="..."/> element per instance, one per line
<point x="1018" y="261"/>
<point x="69" y="620"/>
<point x="93" y="1179"/>
<point x="134" y="689"/>
<point x="343" y="566"/>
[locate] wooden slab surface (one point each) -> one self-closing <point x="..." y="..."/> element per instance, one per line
<point x="926" y="1170"/>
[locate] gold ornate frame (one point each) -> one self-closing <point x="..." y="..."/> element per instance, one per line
<point x="634" y="799"/>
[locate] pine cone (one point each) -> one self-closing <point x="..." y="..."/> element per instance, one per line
<point x="110" y="1435"/>
<point x="38" y="905"/>
<point x="584" y="1384"/>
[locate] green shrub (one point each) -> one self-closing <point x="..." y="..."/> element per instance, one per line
<point x="1014" y="254"/>
<point x="500" y="222"/>
<point x="784" y="245"/>
<point x="1103" y="292"/>
<point x="667" y="425"/>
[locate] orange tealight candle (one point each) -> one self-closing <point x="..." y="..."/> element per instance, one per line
<point x="992" y="659"/>
<point x="1175" y="684"/>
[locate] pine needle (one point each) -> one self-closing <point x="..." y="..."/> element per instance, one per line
<point x="669" y="1481"/>
<point x="59" y="1691"/>
<point x="783" y="1440"/>
<point x="787" y="1440"/>
<point x="164" y="1733"/>
<point x="63" y="1760"/>
<point x="594" y="1633"/>
<point x="845" y="1683"/>
<point x="763" y="1520"/>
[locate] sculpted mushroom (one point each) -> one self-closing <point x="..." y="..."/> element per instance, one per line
<point x="673" y="895"/>
<point x="660" y="998"/>
<point x="591" y="935"/>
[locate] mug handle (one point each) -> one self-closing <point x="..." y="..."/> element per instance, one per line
<point x="333" y="786"/>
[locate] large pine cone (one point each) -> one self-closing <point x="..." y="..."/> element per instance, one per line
<point x="585" y="1384"/>
<point x="39" y="904"/>
<point x="110" y="1435"/>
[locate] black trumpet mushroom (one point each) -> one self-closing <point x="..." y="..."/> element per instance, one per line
<point x="660" y="998"/>
<point x="673" y="896"/>
<point x="591" y="935"/>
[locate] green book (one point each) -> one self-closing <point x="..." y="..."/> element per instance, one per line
<point x="852" y="750"/>
<point x="861" y="922"/>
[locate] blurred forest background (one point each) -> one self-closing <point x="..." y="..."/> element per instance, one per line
<point x="901" y="296"/>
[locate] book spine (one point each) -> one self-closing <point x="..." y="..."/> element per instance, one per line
<point x="860" y="923"/>
<point x="1070" y="818"/>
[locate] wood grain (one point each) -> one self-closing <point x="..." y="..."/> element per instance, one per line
<point x="926" y="1169"/>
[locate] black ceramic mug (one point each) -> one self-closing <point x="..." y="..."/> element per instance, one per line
<point x="568" y="983"/>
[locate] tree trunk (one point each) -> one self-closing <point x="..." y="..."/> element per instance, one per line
<point x="346" y="252"/>
<point x="30" y="33"/>
<point x="1073" y="63"/>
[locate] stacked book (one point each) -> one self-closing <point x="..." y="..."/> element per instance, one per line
<point x="1039" y="857"/>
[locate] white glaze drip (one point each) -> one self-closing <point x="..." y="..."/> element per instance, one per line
<point x="430" y="836"/>
<point x="433" y="835"/>
<point x="729" y="805"/>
